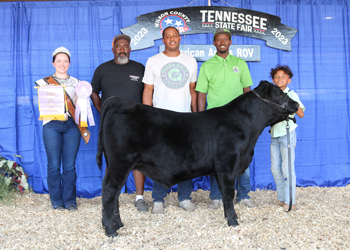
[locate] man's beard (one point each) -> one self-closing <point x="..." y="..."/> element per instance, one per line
<point x="223" y="51"/>
<point x="122" y="60"/>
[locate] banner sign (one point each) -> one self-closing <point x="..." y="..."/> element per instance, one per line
<point x="206" y="19"/>
<point x="249" y="53"/>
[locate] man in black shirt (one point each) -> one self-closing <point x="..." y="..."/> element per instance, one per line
<point x="121" y="77"/>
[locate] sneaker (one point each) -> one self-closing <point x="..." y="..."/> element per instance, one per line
<point x="247" y="203"/>
<point x="187" y="205"/>
<point x="286" y="207"/>
<point x="158" y="208"/>
<point x="279" y="203"/>
<point x="215" y="204"/>
<point x="141" y="205"/>
<point x="59" y="208"/>
<point x="71" y="208"/>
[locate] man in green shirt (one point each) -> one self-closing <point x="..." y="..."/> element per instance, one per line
<point x="222" y="79"/>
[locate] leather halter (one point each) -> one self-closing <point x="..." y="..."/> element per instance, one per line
<point x="282" y="106"/>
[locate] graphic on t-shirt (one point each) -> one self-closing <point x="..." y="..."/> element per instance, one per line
<point x="174" y="75"/>
<point x="235" y="69"/>
<point x="134" y="78"/>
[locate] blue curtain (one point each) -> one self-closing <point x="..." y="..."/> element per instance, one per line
<point x="319" y="59"/>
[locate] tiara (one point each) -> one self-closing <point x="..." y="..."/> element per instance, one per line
<point x="61" y="50"/>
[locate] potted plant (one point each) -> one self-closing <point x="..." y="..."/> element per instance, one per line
<point x="13" y="174"/>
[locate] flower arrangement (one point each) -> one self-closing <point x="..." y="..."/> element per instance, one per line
<point x="13" y="174"/>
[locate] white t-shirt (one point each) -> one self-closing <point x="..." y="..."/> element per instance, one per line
<point x="171" y="77"/>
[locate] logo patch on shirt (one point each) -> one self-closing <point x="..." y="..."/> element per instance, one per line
<point x="174" y="75"/>
<point x="235" y="69"/>
<point x="134" y="78"/>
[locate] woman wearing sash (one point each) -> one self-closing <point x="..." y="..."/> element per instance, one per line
<point x="61" y="139"/>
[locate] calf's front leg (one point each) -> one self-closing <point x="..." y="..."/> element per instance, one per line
<point x="226" y="186"/>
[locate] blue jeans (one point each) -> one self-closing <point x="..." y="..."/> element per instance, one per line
<point x="184" y="190"/>
<point x="243" y="187"/>
<point x="61" y="140"/>
<point x="279" y="166"/>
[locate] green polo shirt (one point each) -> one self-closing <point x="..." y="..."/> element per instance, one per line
<point x="223" y="79"/>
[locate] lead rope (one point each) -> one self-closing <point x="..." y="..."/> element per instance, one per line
<point x="289" y="164"/>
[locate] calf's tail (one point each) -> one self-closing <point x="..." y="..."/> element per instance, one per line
<point x="100" y="147"/>
<point x="100" y="142"/>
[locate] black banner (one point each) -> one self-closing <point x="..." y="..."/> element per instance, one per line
<point x="206" y="19"/>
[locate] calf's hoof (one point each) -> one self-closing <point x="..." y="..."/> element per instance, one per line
<point x="119" y="225"/>
<point x="232" y="222"/>
<point x="112" y="235"/>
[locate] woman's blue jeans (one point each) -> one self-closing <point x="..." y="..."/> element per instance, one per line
<point x="184" y="190"/>
<point x="243" y="187"/>
<point x="61" y="140"/>
<point x="279" y="166"/>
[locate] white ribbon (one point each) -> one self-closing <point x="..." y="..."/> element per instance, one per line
<point x="83" y="90"/>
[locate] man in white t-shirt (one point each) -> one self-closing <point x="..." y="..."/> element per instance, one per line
<point x="170" y="80"/>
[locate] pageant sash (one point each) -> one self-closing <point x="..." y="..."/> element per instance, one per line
<point x="52" y="103"/>
<point x="84" y="132"/>
<point x="83" y="90"/>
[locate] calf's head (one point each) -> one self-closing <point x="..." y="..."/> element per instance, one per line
<point x="280" y="105"/>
